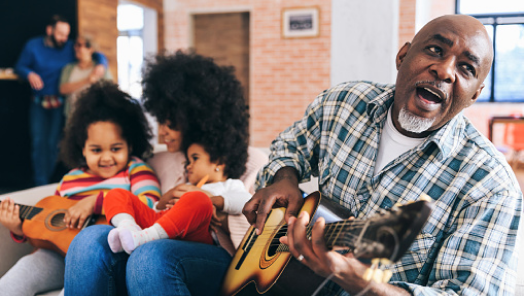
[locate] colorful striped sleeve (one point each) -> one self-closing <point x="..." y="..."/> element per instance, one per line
<point x="144" y="182"/>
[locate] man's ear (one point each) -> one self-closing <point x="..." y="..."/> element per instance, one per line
<point x="49" y="30"/>
<point x="402" y="54"/>
<point x="475" y="96"/>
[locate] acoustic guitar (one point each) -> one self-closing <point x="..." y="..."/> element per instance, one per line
<point x="262" y="265"/>
<point x="43" y="224"/>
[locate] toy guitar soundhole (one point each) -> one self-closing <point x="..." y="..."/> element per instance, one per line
<point x="55" y="221"/>
<point x="43" y="224"/>
<point x="262" y="265"/>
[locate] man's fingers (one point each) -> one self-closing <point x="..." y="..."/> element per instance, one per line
<point x="293" y="209"/>
<point x="300" y="241"/>
<point x="264" y="208"/>
<point x="317" y="239"/>
<point x="250" y="209"/>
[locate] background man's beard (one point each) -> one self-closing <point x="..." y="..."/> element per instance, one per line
<point x="412" y="123"/>
<point x="56" y="43"/>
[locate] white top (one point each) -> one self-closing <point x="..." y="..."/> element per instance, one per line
<point x="234" y="193"/>
<point x="392" y="144"/>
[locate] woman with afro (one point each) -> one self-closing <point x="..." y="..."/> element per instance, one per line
<point x="194" y="101"/>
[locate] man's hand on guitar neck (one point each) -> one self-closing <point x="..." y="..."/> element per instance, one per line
<point x="347" y="271"/>
<point x="77" y="215"/>
<point x="283" y="192"/>
<point x="10" y="216"/>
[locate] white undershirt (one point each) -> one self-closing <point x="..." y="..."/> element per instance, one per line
<point x="392" y="144"/>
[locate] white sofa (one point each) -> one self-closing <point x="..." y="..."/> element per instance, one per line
<point x="10" y="251"/>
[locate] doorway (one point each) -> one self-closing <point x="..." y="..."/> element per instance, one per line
<point x="225" y="38"/>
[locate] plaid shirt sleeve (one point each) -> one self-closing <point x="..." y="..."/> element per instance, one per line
<point x="478" y="257"/>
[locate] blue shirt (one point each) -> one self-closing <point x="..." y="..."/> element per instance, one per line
<point x="468" y="245"/>
<point x="47" y="62"/>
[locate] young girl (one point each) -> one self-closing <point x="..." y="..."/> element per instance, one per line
<point x="105" y="136"/>
<point x="187" y="218"/>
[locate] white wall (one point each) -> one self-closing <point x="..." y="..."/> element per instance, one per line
<point x="364" y="40"/>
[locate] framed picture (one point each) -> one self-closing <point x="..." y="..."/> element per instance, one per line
<point x="300" y="22"/>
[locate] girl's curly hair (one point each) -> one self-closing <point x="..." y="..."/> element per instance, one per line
<point x="203" y="101"/>
<point x="104" y="101"/>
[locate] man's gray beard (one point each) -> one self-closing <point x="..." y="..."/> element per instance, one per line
<point x="412" y="123"/>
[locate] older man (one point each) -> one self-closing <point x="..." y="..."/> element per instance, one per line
<point x="375" y="145"/>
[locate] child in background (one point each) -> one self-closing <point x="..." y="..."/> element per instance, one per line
<point x="105" y="137"/>
<point x="187" y="218"/>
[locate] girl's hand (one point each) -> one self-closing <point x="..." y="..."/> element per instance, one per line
<point x="10" y="216"/>
<point x="77" y="215"/>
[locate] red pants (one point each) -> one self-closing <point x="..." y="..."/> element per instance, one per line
<point x="188" y="219"/>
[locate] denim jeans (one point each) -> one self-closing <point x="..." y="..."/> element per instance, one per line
<point x="161" y="267"/>
<point x="46" y="129"/>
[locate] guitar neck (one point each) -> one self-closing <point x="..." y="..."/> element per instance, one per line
<point x="332" y="234"/>
<point x="28" y="212"/>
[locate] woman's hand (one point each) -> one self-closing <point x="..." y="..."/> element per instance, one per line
<point x="97" y="73"/>
<point x="10" y="216"/>
<point x="77" y="215"/>
<point x="169" y="198"/>
<point x="181" y="189"/>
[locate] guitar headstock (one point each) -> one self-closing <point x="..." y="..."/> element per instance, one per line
<point x="387" y="234"/>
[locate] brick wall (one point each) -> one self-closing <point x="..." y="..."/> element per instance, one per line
<point x="285" y="74"/>
<point x="98" y="19"/>
<point x="406" y="21"/>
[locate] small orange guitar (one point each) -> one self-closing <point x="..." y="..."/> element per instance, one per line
<point x="262" y="265"/>
<point x="43" y="224"/>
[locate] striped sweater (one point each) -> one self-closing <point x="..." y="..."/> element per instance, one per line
<point x="137" y="177"/>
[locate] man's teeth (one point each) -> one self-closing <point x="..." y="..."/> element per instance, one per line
<point x="429" y="90"/>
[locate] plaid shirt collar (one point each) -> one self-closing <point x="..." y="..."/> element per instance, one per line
<point x="446" y="138"/>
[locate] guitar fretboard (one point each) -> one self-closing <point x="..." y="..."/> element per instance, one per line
<point x="331" y="234"/>
<point x="28" y="212"/>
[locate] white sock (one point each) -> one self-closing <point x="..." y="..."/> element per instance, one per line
<point x="120" y="221"/>
<point x="131" y="239"/>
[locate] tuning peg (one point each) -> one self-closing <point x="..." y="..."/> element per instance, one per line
<point x="368" y="274"/>
<point x="387" y="274"/>
<point x="377" y="275"/>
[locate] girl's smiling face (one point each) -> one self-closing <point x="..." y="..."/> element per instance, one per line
<point x="105" y="151"/>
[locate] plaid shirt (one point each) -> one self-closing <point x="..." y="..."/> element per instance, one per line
<point x="467" y="246"/>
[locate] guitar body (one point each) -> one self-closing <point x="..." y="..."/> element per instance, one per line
<point x="262" y="265"/>
<point x="256" y="266"/>
<point x="47" y="230"/>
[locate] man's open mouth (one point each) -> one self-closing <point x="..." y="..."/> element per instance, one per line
<point x="430" y="95"/>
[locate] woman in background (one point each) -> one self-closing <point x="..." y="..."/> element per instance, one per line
<point x="79" y="75"/>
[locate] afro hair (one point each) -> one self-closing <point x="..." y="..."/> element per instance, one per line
<point x="203" y="101"/>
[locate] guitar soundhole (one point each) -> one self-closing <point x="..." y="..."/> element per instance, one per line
<point x="275" y="243"/>
<point x="58" y="220"/>
<point x="55" y="221"/>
